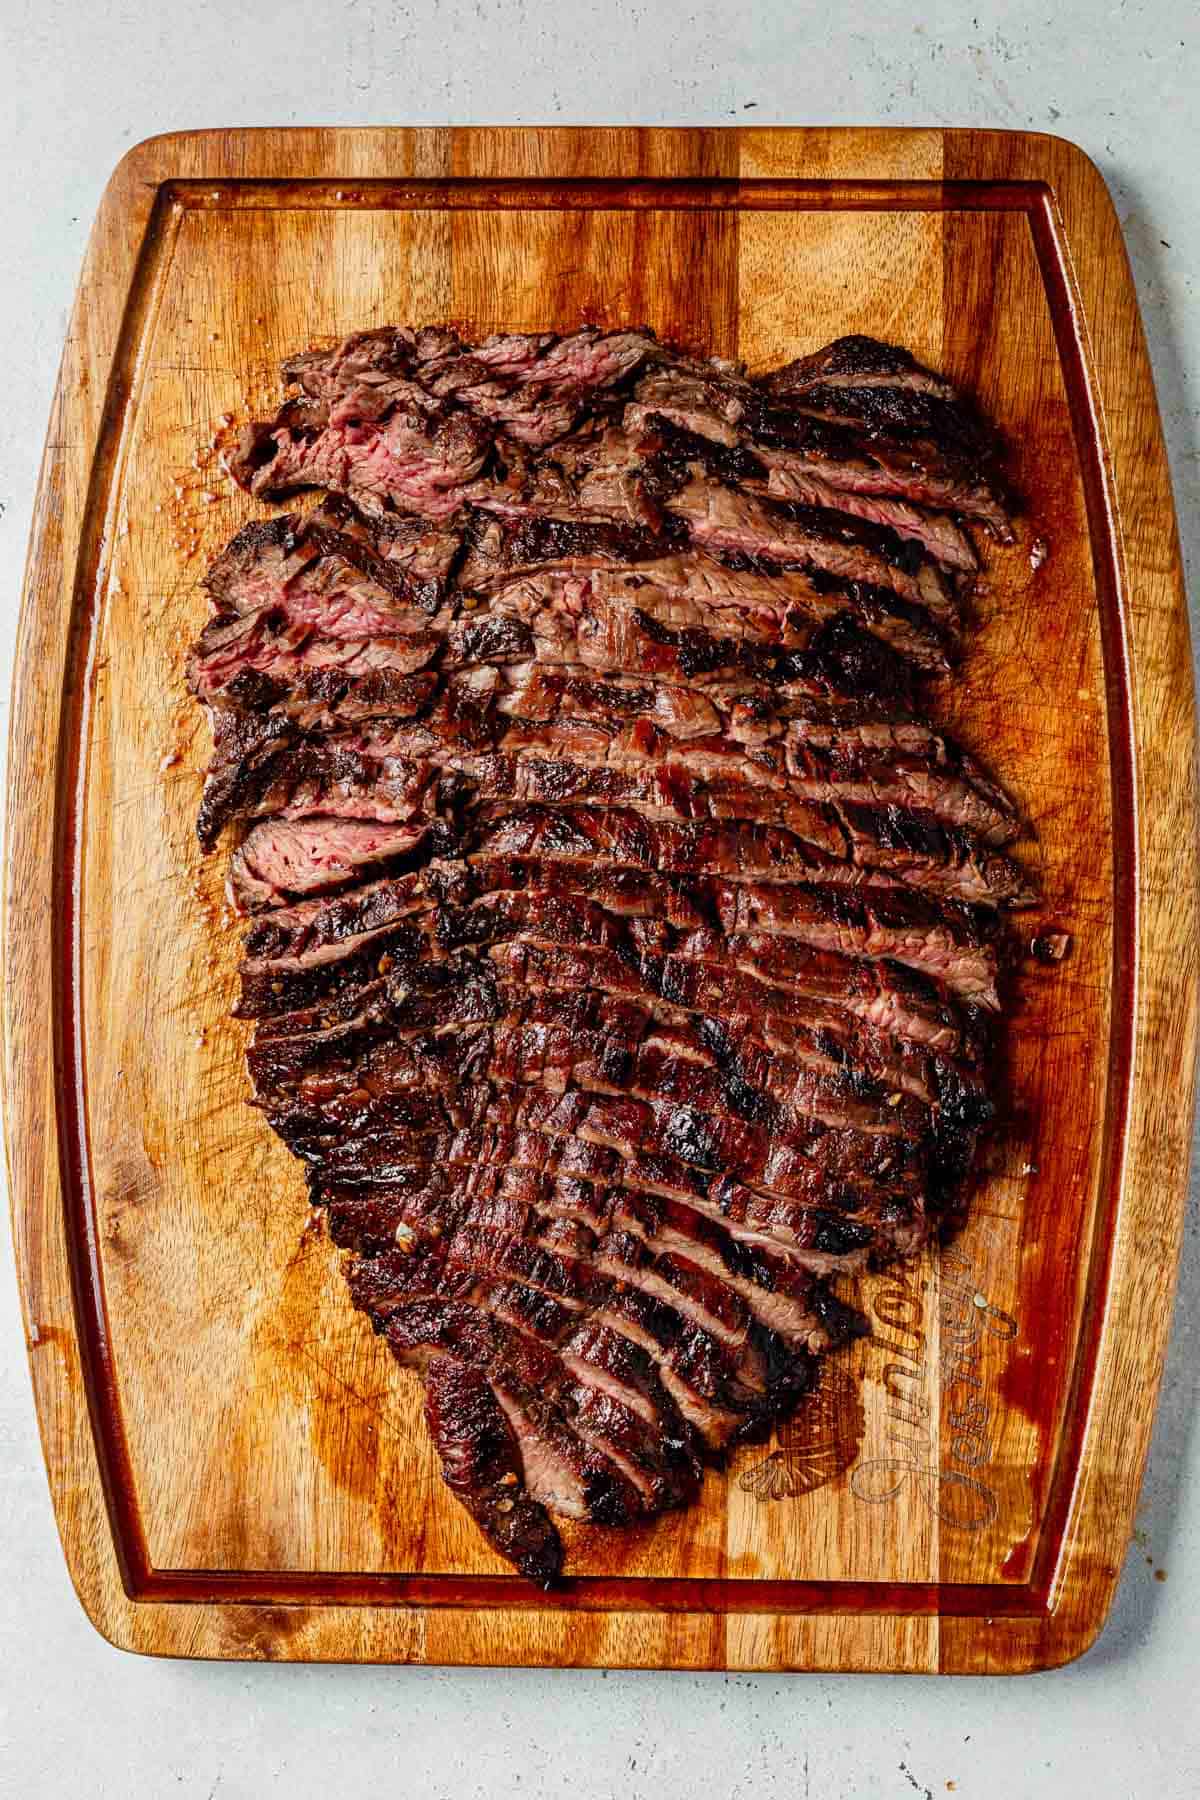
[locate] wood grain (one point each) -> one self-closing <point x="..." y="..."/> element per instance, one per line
<point x="237" y="1468"/>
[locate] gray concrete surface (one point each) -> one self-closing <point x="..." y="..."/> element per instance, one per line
<point x="78" y="84"/>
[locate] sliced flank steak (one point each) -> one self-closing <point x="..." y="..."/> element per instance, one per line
<point x="623" y="940"/>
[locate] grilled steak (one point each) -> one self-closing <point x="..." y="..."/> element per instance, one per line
<point x="623" y="941"/>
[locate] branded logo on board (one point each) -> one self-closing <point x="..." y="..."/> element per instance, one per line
<point x="817" y="1444"/>
<point x="823" y="1438"/>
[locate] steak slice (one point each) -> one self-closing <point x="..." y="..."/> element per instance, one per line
<point x="626" y="622"/>
<point x="895" y="923"/>
<point x="289" y="659"/>
<point x="627" y="840"/>
<point x="561" y="1470"/>
<point x="425" y="551"/>
<point x="544" y="403"/>
<point x="743" y="710"/>
<point x="571" y="1267"/>
<point x="896" y="410"/>
<point x="692" y="984"/>
<point x="944" y="859"/>
<point x="840" y="1170"/>
<point x="415" y="461"/>
<point x="337" y="782"/>
<point x="374" y="369"/>
<point x="907" y="927"/>
<point x="617" y="503"/>
<point x="945" y="541"/>
<point x="841" y="672"/>
<point x="648" y="1354"/>
<point x="766" y="1237"/>
<point x="722" y="520"/>
<point x="883" y="843"/>
<point x="884" y="772"/>
<point x="265" y="768"/>
<point x="858" y="361"/>
<point x="322" y="929"/>
<point x="761" y="470"/>
<point x="856" y="462"/>
<point x="718" y="777"/>
<point x="857" y="379"/>
<point x="531" y="691"/>
<point x="703" y="600"/>
<point x="335" y="581"/>
<point x="656" y="789"/>
<point x="807" y="1111"/>
<point x="460" y="1237"/>
<point x="906" y="737"/>
<point x="580" y="1485"/>
<point x="282" y="859"/>
<point x="482" y="1467"/>
<point x="500" y="547"/>
<point x="888" y="995"/>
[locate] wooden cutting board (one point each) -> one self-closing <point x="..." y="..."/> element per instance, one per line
<point x="237" y="1467"/>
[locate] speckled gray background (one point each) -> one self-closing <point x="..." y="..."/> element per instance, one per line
<point x="80" y="80"/>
